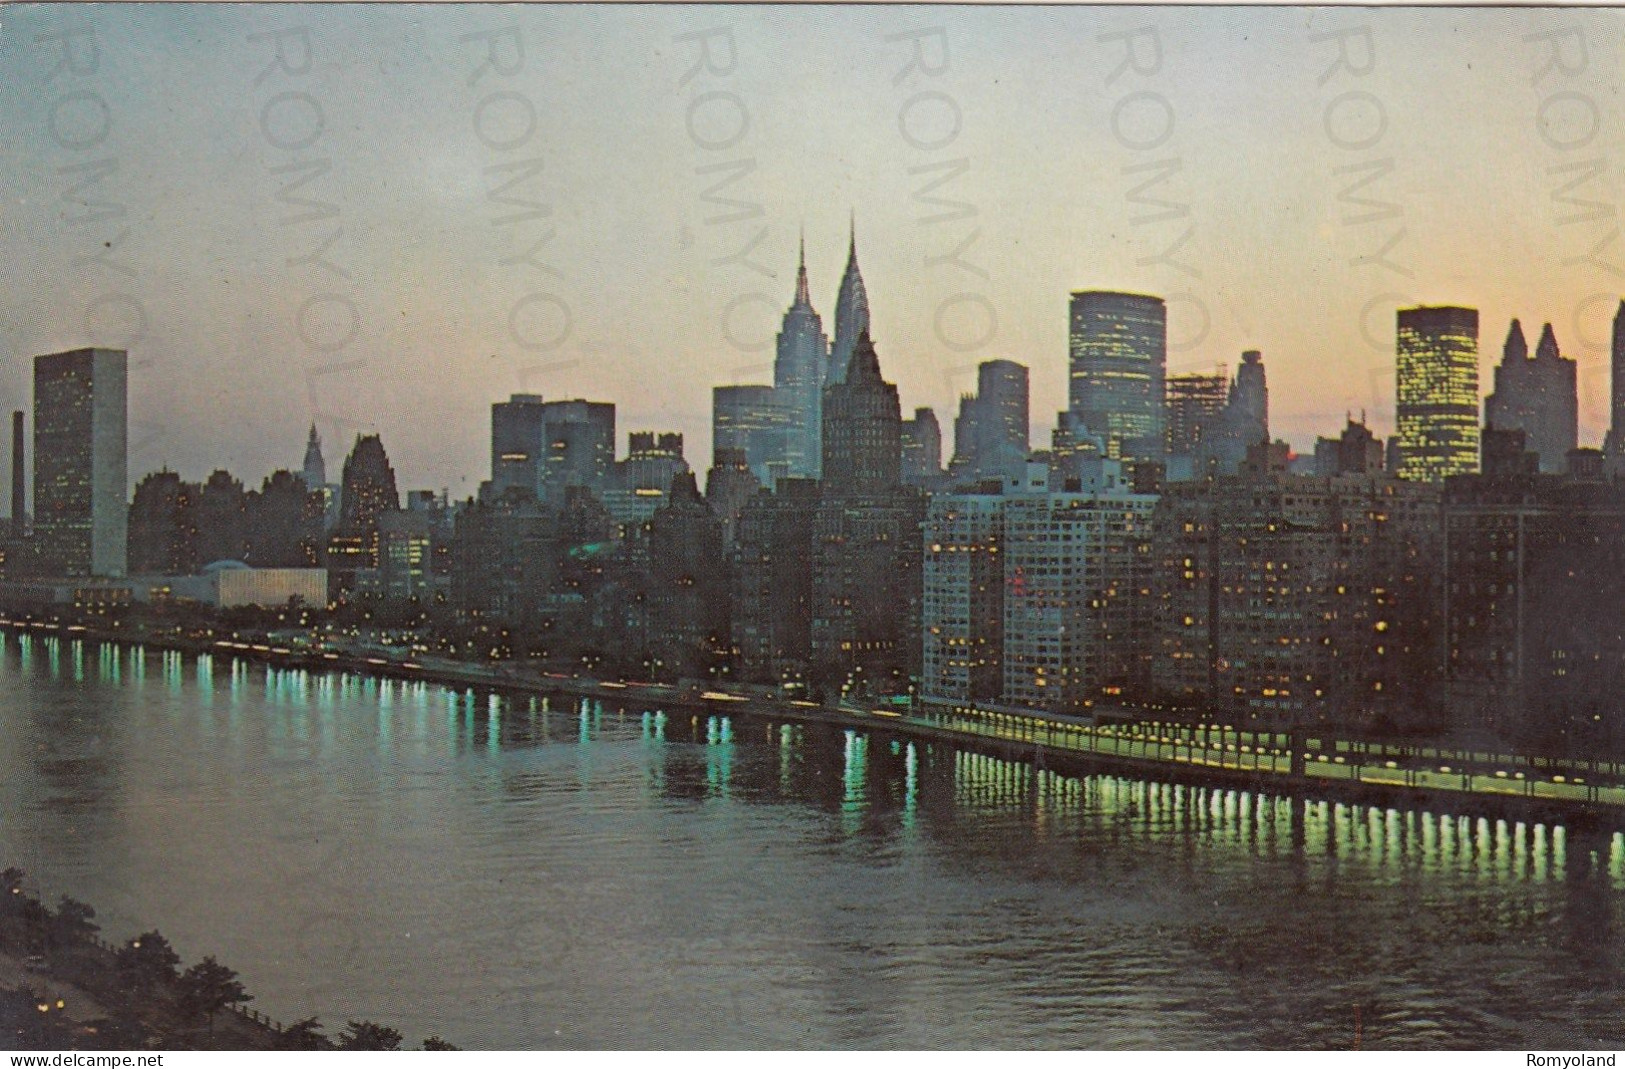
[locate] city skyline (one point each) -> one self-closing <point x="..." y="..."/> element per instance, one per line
<point x="1059" y="201"/>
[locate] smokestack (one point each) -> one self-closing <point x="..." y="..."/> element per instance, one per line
<point x="18" y="501"/>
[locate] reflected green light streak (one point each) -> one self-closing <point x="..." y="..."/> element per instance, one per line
<point x="854" y="762"/>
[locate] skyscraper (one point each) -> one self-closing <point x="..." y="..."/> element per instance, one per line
<point x="578" y="447"/>
<point x="752" y="420"/>
<point x="81" y="514"/>
<point x="1195" y="403"/>
<point x="314" y="471"/>
<point x="518" y="431"/>
<point x="1119" y="353"/>
<point x="991" y="433"/>
<point x="1614" y="445"/>
<point x="1538" y="396"/>
<point x="367" y="494"/>
<point x="863" y="429"/>
<point x="798" y="379"/>
<point x="922" y="449"/>
<point x="851" y="314"/>
<point x="1437" y="425"/>
<point x="19" y="502"/>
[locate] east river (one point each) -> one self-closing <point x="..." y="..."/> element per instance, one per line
<point x="511" y="873"/>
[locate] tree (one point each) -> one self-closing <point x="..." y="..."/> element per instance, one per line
<point x="209" y="987"/>
<point x="436" y="1043"/>
<point x="366" y="1035"/>
<point x="74" y="922"/>
<point x="302" y="1035"/>
<point x="148" y="961"/>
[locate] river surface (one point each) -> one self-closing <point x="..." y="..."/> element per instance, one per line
<point x="510" y="874"/>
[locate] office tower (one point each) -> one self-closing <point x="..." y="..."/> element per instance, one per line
<point x="1195" y="404"/>
<point x="314" y="470"/>
<point x="1437" y="424"/>
<point x="851" y="315"/>
<point x="578" y="447"/>
<point x="81" y="513"/>
<point x="922" y="450"/>
<point x="1538" y="395"/>
<point x="962" y="602"/>
<point x="798" y="379"/>
<point x="518" y="437"/>
<point x="990" y="433"/>
<point x="751" y="420"/>
<point x="19" y="503"/>
<point x="1118" y="355"/>
<point x="1614" y="444"/>
<point x="863" y="427"/>
<point x="644" y="478"/>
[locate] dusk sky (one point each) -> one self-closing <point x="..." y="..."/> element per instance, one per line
<point x="1300" y="175"/>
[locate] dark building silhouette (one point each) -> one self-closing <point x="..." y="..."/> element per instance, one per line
<point x="544" y="447"/>
<point x="19" y="501"/>
<point x="922" y="450"/>
<point x="1538" y="395"/>
<point x="728" y="486"/>
<point x="1534" y="574"/>
<point x="687" y="587"/>
<point x="518" y="439"/>
<point x="367" y="492"/>
<point x="314" y="470"/>
<point x="1614" y="443"/>
<point x="163" y="526"/>
<point x="863" y="427"/>
<point x="991" y="433"/>
<point x="866" y="537"/>
<point x="285" y="522"/>
<point x="1355" y="452"/>
<point x="222" y="519"/>
<point x="773" y="582"/>
<point x="1296" y="601"/>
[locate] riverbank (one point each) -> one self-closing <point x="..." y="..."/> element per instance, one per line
<point x="1478" y="783"/>
<point x="63" y="987"/>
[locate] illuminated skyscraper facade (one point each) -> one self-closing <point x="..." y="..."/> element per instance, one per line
<point x="81" y="514"/>
<point x="1119" y="354"/>
<point x="1437" y="425"/>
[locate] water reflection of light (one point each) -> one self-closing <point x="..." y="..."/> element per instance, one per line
<point x="719" y="755"/>
<point x="911" y="785"/>
<point x="853" y="762"/>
